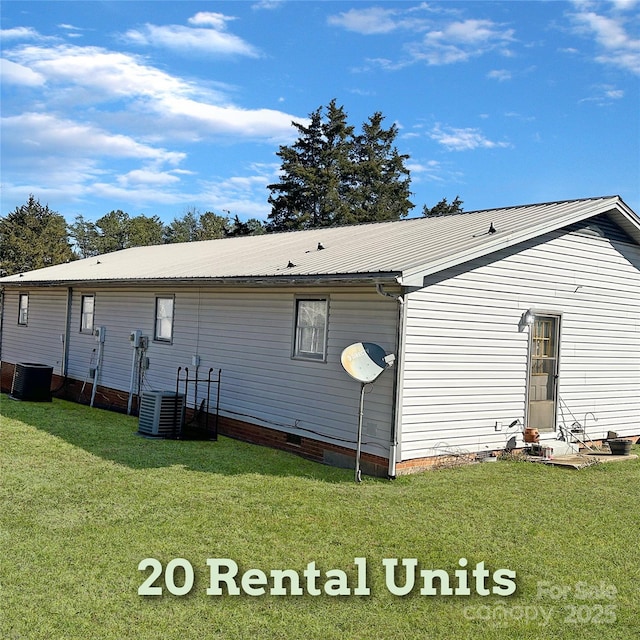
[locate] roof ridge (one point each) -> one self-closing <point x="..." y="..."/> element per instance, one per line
<point x="545" y="204"/>
<point x="422" y="217"/>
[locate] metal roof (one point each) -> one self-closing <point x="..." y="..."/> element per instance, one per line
<point x="406" y="250"/>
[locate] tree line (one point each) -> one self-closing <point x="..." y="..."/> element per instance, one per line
<point x="33" y="236"/>
<point x="331" y="175"/>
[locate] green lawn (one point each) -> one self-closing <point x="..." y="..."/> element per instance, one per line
<point x="84" y="500"/>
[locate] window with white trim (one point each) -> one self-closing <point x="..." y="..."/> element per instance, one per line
<point x="310" y="341"/>
<point x="87" y="308"/>
<point x="164" y="319"/>
<point x="23" y="308"/>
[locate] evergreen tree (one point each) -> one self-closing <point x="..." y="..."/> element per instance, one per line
<point x="332" y="176"/>
<point x="443" y="208"/>
<point x="183" y="229"/>
<point x="32" y="237"/>
<point x="212" y="226"/>
<point x="85" y="237"/>
<point x="296" y="199"/>
<point x="144" y="231"/>
<point x="114" y="231"/>
<point x="380" y="184"/>
<point x="252" y="227"/>
<point x="194" y="226"/>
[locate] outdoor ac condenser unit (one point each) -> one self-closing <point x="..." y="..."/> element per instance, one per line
<point x="161" y="414"/>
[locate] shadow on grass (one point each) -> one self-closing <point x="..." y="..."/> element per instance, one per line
<point x="113" y="436"/>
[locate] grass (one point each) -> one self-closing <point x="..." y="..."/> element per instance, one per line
<point x="84" y="500"/>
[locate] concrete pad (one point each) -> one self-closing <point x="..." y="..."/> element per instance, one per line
<point x="582" y="460"/>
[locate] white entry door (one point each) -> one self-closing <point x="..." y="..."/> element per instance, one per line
<point x="543" y="373"/>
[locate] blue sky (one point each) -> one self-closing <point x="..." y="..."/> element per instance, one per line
<point x="159" y="107"/>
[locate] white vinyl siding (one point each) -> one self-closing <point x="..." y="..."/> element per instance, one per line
<point x="39" y="341"/>
<point x="466" y="359"/>
<point x="248" y="334"/>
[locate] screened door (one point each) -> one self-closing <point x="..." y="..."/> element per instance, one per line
<point x="543" y="373"/>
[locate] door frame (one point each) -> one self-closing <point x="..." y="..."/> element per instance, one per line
<point x="539" y="313"/>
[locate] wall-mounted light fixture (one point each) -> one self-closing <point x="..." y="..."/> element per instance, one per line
<point x="526" y="320"/>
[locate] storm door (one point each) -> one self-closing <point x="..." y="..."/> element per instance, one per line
<point x="543" y="373"/>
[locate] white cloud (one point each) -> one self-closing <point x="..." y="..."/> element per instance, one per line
<point x="445" y="41"/>
<point x="228" y="119"/>
<point x="17" y="74"/>
<point x="604" y="95"/>
<point x="519" y="116"/>
<point x="501" y="75"/>
<point x="433" y="171"/>
<point x="472" y="32"/>
<point x="379" y="20"/>
<point x="212" y="19"/>
<point x="616" y="46"/>
<point x="625" y="5"/>
<point x="140" y="196"/>
<point x="147" y="177"/>
<point x="209" y="36"/>
<point x="19" y="33"/>
<point x="244" y="195"/>
<point x="460" y="41"/>
<point x="467" y="139"/>
<point x="119" y="137"/>
<point x="92" y="75"/>
<point x="369" y="21"/>
<point x="429" y="171"/>
<point x="56" y="137"/>
<point x="107" y="74"/>
<point x="267" y="4"/>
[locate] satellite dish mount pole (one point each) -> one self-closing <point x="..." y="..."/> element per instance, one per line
<point x="359" y="444"/>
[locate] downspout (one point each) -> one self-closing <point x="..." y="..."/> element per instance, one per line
<point x="397" y="380"/>
<point x="67" y="334"/>
<point x="1" y="320"/>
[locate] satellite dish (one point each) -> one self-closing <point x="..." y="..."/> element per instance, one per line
<point x="365" y="361"/>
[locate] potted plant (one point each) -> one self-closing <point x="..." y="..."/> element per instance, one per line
<point x="620" y="446"/>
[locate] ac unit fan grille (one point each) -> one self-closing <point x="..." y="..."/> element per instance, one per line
<point x="161" y="414"/>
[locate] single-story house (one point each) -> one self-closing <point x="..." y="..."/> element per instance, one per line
<point x="500" y="320"/>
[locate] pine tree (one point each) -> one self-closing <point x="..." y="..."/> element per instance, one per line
<point x="85" y="237"/>
<point x="32" y="237"/>
<point x="443" y="208"/>
<point x="194" y="226"/>
<point x="296" y="199"/>
<point x="114" y="231"/>
<point x="331" y="176"/>
<point x="380" y="187"/>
